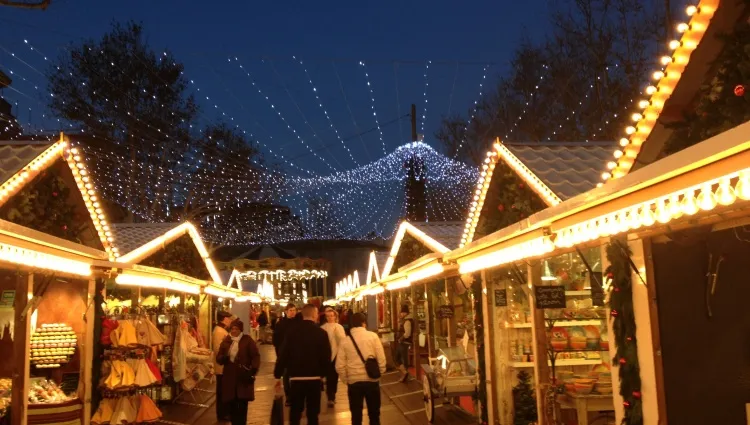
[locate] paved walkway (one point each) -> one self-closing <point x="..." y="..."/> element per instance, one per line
<point x="402" y="404"/>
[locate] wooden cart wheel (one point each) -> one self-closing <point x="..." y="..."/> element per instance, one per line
<point x="429" y="398"/>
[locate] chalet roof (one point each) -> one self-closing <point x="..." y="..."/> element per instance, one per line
<point x="446" y="233"/>
<point x="130" y="236"/>
<point x="567" y="169"/>
<point x="14" y="155"/>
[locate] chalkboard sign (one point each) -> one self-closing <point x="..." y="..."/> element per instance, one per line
<point x="597" y="292"/>
<point x="69" y="384"/>
<point x="501" y="298"/>
<point x="552" y="296"/>
<point x="445" y="312"/>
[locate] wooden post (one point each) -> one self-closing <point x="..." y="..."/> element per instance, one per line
<point x="450" y="290"/>
<point x="489" y="358"/>
<point x="429" y="314"/>
<point x="414" y="331"/>
<point x="21" y="349"/>
<point x="539" y="336"/>
<point x="88" y="351"/>
<point x="655" y="334"/>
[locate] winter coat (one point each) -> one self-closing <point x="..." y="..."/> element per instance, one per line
<point x="336" y="336"/>
<point x="282" y="329"/>
<point x="306" y="352"/>
<point x="349" y="365"/>
<point x="232" y="385"/>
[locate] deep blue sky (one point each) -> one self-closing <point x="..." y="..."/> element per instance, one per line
<point x="205" y="34"/>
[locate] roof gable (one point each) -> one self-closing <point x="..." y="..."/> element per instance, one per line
<point x="22" y="166"/>
<point x="675" y="84"/>
<point x="430" y="242"/>
<point x="165" y="234"/>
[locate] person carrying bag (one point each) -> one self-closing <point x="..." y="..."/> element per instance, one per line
<point x="241" y="360"/>
<point x="360" y="364"/>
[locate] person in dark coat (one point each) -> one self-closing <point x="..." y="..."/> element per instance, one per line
<point x="241" y="360"/>
<point x="279" y="336"/>
<point x="306" y="358"/>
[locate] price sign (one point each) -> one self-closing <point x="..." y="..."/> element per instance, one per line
<point x="552" y="296"/>
<point x="445" y="312"/>
<point x="501" y="298"/>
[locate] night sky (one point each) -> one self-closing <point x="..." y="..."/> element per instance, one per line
<point x="393" y="38"/>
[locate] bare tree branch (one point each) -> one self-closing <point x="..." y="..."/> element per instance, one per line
<point x="42" y="5"/>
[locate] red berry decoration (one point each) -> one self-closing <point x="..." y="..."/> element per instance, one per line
<point x="622" y="360"/>
<point x="637" y="395"/>
<point x="626" y="404"/>
<point x="65" y="227"/>
<point x="630" y="338"/>
<point x="617" y="289"/>
<point x="614" y="313"/>
<point x="610" y="275"/>
<point x="520" y="185"/>
<point x="739" y="90"/>
<point x="54" y="194"/>
<point x="501" y="207"/>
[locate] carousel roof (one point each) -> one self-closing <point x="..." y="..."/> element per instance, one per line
<point x="266" y="251"/>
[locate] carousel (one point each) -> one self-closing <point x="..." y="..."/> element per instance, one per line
<point x="278" y="274"/>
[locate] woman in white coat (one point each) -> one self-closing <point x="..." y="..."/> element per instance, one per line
<point x="336" y="336"/>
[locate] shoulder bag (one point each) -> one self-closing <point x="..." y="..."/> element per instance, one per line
<point x="371" y="364"/>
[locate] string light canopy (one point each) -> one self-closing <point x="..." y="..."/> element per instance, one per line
<point x="665" y="80"/>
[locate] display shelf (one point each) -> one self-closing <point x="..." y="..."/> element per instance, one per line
<point x="564" y="323"/>
<point x="566" y="362"/>
<point x="585" y="292"/>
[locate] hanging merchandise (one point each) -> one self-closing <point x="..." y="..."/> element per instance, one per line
<point x="52" y="345"/>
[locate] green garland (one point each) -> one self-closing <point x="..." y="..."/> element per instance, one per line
<point x="621" y="309"/>
<point x="180" y="256"/>
<point x="476" y="290"/>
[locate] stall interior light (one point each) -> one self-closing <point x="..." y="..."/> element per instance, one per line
<point x="531" y="248"/>
<point x="31" y="258"/>
<point x="219" y="292"/>
<point x="398" y="284"/>
<point x="375" y="290"/>
<point x="156" y="282"/>
<point x="664" y="209"/>
<point x="427" y="272"/>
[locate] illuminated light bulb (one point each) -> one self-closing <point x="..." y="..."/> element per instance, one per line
<point x="636" y="117"/>
<point x="675" y="207"/>
<point x="689" y="206"/>
<point x="622" y="222"/>
<point x="600" y="184"/>
<point x="658" y="75"/>
<point x="634" y="219"/>
<point x="682" y="27"/>
<point x="611" y="165"/>
<point x="742" y="188"/>
<point x="650" y="90"/>
<point x="662" y="213"/>
<point x="606" y="176"/>
<point x="647" y="216"/>
<point x="643" y="104"/>
<point x="666" y="60"/>
<point x="674" y="44"/>
<point x="630" y="129"/>
<point x="725" y="193"/>
<point x="618" y="154"/>
<point x="624" y="142"/>
<point x="706" y="199"/>
<point x="691" y="10"/>
<point x="74" y="151"/>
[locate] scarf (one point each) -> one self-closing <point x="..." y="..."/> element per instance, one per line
<point x="235" y="348"/>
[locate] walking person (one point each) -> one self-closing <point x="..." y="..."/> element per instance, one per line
<point x="306" y="357"/>
<point x="241" y="360"/>
<point x="363" y="385"/>
<point x="336" y="336"/>
<point x="262" y="326"/>
<point x="279" y="336"/>
<point x="405" y="341"/>
<point x="224" y="319"/>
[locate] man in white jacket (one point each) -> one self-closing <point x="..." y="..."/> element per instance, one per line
<point x="336" y="336"/>
<point x="351" y="369"/>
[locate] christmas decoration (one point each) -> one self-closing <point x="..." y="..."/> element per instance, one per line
<point x="524" y="403"/>
<point x="476" y="290"/>
<point x="721" y="104"/>
<point x="43" y="205"/>
<point x="623" y="324"/>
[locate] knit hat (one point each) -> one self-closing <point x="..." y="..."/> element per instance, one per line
<point x="238" y="324"/>
<point x="405" y="309"/>
<point x="221" y="315"/>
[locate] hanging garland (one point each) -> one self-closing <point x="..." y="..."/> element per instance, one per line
<point x="619" y="274"/>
